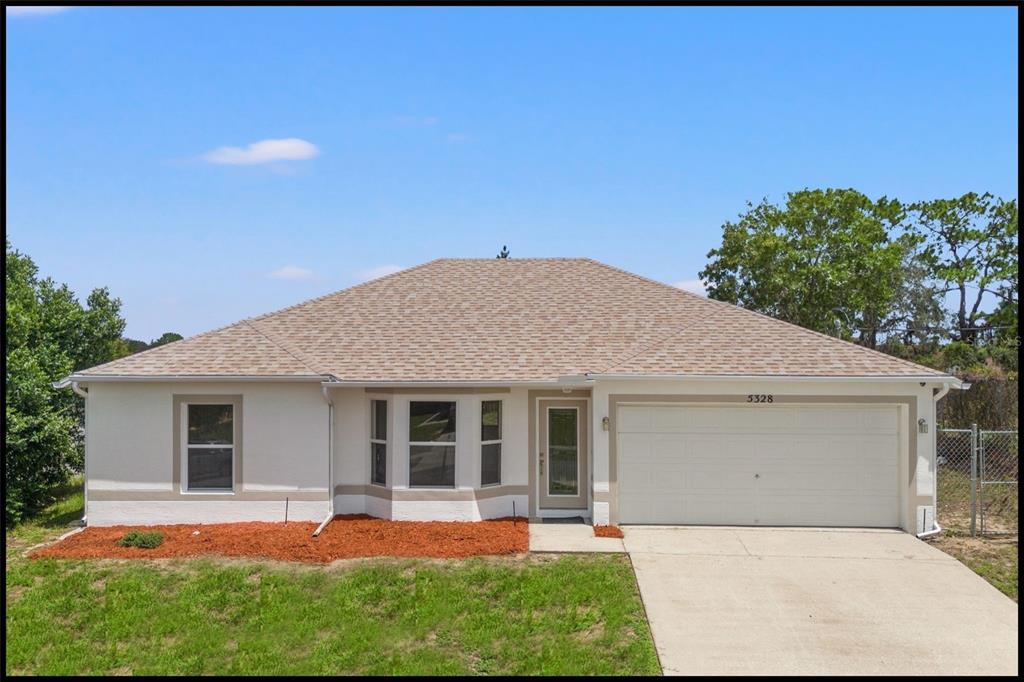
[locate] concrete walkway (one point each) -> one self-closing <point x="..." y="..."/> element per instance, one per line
<point x="570" y="538"/>
<point x="817" y="602"/>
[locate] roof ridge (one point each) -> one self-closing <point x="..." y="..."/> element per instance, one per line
<point x="511" y="259"/>
<point x="280" y="345"/>
<point x="733" y="306"/>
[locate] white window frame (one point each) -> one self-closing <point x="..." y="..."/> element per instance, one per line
<point x="452" y="444"/>
<point x="379" y="441"/>
<point x="186" y="446"/>
<point x="498" y="441"/>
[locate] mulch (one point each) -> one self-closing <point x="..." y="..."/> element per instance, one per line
<point x="346" y="537"/>
<point x="607" y="532"/>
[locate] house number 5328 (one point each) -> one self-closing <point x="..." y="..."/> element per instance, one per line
<point x="760" y="398"/>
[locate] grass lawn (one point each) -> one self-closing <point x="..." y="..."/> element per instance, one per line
<point x="561" y="615"/>
<point x="993" y="558"/>
<point x="50" y="522"/>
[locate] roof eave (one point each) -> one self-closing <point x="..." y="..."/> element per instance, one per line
<point x="881" y="378"/>
<point x="93" y="378"/>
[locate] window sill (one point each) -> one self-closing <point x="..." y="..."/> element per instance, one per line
<point x="224" y="491"/>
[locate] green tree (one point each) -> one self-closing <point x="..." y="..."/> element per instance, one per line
<point x="825" y="260"/>
<point x="165" y="338"/>
<point x="136" y="346"/>
<point x="971" y="245"/>
<point x="49" y="334"/>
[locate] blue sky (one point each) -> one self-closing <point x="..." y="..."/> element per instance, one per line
<point x="628" y="136"/>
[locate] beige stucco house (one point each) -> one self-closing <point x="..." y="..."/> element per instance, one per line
<point x="470" y="389"/>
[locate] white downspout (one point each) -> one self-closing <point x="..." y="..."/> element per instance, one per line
<point x="330" y="461"/>
<point x="85" y="452"/>
<point x="935" y="489"/>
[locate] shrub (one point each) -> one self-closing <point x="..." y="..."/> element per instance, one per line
<point x="142" y="539"/>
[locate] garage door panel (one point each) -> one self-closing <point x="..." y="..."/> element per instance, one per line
<point x="806" y="465"/>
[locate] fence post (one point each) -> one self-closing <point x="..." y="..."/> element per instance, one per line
<point x="974" y="475"/>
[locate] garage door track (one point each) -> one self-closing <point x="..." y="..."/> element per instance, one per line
<point x="760" y="601"/>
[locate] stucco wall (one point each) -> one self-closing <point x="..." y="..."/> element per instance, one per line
<point x="130" y="469"/>
<point x="354" y="494"/>
<point x="917" y="474"/>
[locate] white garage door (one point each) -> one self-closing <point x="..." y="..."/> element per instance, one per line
<point x="784" y="465"/>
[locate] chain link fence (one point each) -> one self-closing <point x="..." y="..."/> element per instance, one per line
<point x="977" y="480"/>
<point x="998" y="467"/>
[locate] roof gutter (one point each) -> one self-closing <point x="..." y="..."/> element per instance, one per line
<point x="944" y="379"/>
<point x="191" y="378"/>
<point x="561" y="381"/>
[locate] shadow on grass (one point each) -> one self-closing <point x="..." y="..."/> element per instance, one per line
<point x="67" y="508"/>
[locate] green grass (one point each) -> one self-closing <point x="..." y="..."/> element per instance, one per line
<point x="954" y="503"/>
<point x="52" y="521"/>
<point x="993" y="558"/>
<point x="567" y="615"/>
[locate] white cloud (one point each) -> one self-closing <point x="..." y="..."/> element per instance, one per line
<point x="292" y="272"/>
<point x="379" y="271"/>
<point x="694" y="286"/>
<point x="264" y="151"/>
<point x="34" y="10"/>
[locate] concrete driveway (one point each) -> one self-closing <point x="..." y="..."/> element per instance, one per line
<point x="817" y="602"/>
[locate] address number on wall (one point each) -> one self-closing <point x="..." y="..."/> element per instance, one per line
<point x="760" y="398"/>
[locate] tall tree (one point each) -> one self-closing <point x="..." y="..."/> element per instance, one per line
<point x="49" y="334"/>
<point x="971" y="245"/>
<point x="137" y="346"/>
<point x="824" y="260"/>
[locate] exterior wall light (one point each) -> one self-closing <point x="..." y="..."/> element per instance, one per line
<point x="922" y="425"/>
<point x="605" y="423"/>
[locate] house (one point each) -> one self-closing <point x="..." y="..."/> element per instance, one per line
<point x="464" y="389"/>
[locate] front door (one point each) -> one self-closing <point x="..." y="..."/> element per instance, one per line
<point x="562" y="454"/>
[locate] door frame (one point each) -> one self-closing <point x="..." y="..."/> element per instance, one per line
<point x="545" y="500"/>
<point x="578" y="396"/>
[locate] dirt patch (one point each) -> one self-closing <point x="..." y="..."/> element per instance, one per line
<point x="607" y="532"/>
<point x="347" y="537"/>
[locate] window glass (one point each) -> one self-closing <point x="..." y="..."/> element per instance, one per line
<point x="490" y="420"/>
<point x="378" y="463"/>
<point x="210" y="424"/>
<point x="490" y="464"/>
<point x="210" y="468"/>
<point x="563" y="454"/>
<point x="380" y="420"/>
<point x="431" y="422"/>
<point x="378" y="442"/>
<point x="432" y="466"/>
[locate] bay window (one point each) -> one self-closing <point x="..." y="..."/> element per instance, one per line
<point x="431" y="444"/>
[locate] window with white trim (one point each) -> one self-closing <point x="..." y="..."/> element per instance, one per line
<point x="209" y="447"/>
<point x="490" y="442"/>
<point x="431" y="444"/>
<point x="378" y="442"/>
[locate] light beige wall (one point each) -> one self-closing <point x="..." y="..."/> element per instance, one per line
<point x="352" y="435"/>
<point x="353" y="492"/>
<point x="130" y="435"/>
<point x="917" y="470"/>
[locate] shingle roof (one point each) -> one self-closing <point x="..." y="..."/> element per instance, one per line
<point x="515" y="320"/>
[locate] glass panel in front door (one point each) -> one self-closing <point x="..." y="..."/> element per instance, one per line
<point x="563" y="451"/>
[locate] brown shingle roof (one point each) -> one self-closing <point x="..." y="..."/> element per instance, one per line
<point x="515" y="320"/>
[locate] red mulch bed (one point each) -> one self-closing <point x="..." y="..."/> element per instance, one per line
<point x="346" y="537"/>
<point x="607" y="532"/>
